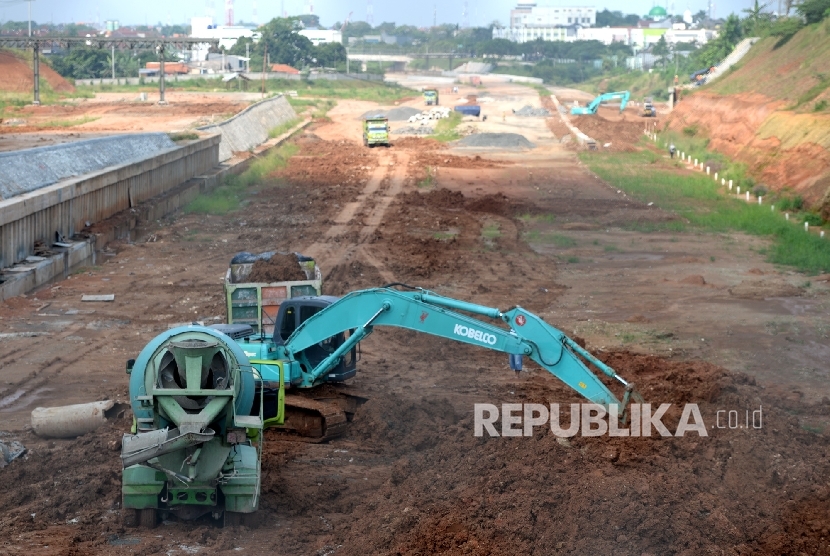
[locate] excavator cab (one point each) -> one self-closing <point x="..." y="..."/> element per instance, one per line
<point x="294" y="312"/>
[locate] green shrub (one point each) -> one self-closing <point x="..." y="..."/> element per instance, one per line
<point x="759" y="190"/>
<point x="691" y="130"/>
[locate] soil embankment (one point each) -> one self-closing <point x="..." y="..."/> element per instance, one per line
<point x="771" y="113"/>
<point x="756" y="130"/>
<point x="16" y="76"/>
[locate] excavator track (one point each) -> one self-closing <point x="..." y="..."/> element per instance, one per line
<point x="319" y="418"/>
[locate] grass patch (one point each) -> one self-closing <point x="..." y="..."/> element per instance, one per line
<point x="491" y="231"/>
<point x="559" y="240"/>
<point x="230" y="195"/>
<point x="444" y="235"/>
<point x="429" y="180"/>
<point x="572" y="259"/>
<point x="697" y="198"/>
<point x="283" y="127"/>
<point x="376" y="91"/>
<point x="68" y="123"/>
<point x="183" y="136"/>
<point x="445" y="129"/>
<point x="533" y="218"/>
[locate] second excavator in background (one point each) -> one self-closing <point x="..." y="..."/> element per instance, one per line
<point x="591" y="108"/>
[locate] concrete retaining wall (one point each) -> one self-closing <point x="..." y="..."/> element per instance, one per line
<point x="30" y="169"/>
<point x="250" y="127"/>
<point x="68" y="205"/>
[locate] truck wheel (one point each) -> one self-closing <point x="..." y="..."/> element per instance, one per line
<point x="147" y="518"/>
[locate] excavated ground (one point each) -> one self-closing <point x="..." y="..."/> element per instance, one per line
<point x="409" y="476"/>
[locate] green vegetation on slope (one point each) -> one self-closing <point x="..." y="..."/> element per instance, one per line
<point x="375" y="91"/>
<point x="797" y="71"/>
<point x="231" y="194"/>
<point x="697" y="198"/>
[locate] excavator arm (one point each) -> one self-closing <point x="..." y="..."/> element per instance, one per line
<point x="622" y="96"/>
<point x="426" y="312"/>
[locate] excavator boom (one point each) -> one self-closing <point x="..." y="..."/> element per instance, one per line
<point x="426" y="312"/>
<point x="622" y="96"/>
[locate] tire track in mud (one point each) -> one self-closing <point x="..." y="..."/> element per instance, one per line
<point x="20" y="392"/>
<point x="328" y="251"/>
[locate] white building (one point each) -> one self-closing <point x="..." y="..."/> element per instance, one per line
<point x="529" y="22"/>
<point x="639" y="38"/>
<point x="203" y="28"/>
<point x="322" y="36"/>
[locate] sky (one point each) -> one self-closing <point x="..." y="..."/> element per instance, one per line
<point x="479" y="12"/>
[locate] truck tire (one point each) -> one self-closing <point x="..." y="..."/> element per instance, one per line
<point x="147" y="518"/>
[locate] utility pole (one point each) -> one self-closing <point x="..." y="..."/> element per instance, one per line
<point x="30" y="17"/>
<point x="113" y="62"/>
<point x="161" y="75"/>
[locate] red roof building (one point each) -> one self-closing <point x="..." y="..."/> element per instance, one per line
<point x="284" y="68"/>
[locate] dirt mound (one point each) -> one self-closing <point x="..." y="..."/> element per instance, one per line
<point x="762" y="289"/>
<point x="622" y="135"/>
<point x="498" y="140"/>
<point x="497" y="203"/>
<point x="451" y="161"/>
<point x="743" y="491"/>
<point x="16" y="76"/>
<point x="438" y="198"/>
<point x="280" y="267"/>
<point x="419" y="144"/>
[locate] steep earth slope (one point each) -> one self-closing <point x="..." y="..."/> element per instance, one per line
<point x="772" y="113"/>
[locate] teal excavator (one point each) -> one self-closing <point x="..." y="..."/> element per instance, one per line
<point x="202" y="395"/>
<point x="592" y="107"/>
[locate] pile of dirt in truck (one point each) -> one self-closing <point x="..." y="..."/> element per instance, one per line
<point x="279" y="267"/>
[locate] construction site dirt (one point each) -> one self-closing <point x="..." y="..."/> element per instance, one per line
<point x="690" y="318"/>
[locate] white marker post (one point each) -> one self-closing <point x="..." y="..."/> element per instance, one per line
<point x="739" y="190"/>
<point x="759" y="200"/>
<point x="806" y="226"/>
<point x="707" y="170"/>
<point x="787" y="215"/>
<point x="747" y="195"/>
<point x="730" y="185"/>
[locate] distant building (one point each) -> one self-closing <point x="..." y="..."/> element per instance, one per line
<point x="657" y="13"/>
<point x="284" y="68"/>
<point x="112" y="24"/>
<point x="529" y="22"/>
<point x="322" y="36"/>
<point x="203" y="28"/>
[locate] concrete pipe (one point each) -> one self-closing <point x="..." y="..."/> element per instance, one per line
<point x="70" y="421"/>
